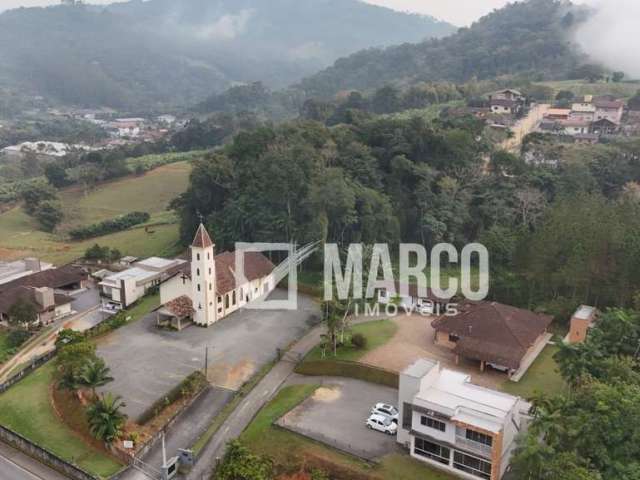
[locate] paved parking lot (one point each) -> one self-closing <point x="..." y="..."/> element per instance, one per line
<point x="336" y="415"/>
<point x="147" y="363"/>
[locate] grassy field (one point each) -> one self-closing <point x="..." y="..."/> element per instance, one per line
<point x="583" y="87"/>
<point x="377" y="333"/>
<point x="152" y="192"/>
<point x="542" y="376"/>
<point x="26" y="409"/>
<point x="4" y="346"/>
<point x="290" y="450"/>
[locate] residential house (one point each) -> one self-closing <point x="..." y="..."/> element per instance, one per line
<point x="454" y="425"/>
<point x="574" y="127"/>
<point x="21" y="268"/>
<point x="604" y="126"/>
<point x="208" y="287"/>
<point x="557" y="114"/>
<point x="609" y="109"/>
<point x="50" y="306"/>
<point x="500" y="336"/>
<point x="583" y="111"/>
<point x="122" y="289"/>
<point x="508" y="101"/>
<point x="411" y="297"/>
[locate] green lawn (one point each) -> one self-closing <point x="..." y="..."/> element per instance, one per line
<point x="5" y="352"/>
<point x="291" y="450"/>
<point x="152" y="192"/>
<point x="542" y="376"/>
<point x="583" y="87"/>
<point x="377" y="333"/>
<point x="26" y="409"/>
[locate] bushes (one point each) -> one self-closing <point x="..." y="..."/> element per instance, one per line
<point x="105" y="254"/>
<point x="189" y="387"/>
<point x="17" y="338"/>
<point x="338" y="368"/>
<point x="110" y="226"/>
<point x="359" y="341"/>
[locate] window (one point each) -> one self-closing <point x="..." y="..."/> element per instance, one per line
<point x="197" y="272"/>
<point x="226" y="301"/>
<point x="453" y="338"/>
<point x="197" y="256"/>
<point x="433" y="423"/>
<point x="479" y="437"/>
<point x="210" y="286"/>
<point x="233" y="298"/>
<point x="407" y="416"/>
<point x="208" y="256"/>
<point x="198" y="287"/>
<point x="430" y="450"/>
<point x="472" y="465"/>
<point x="219" y="299"/>
<point x="209" y="271"/>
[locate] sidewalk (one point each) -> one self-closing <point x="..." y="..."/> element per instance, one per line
<point x="255" y="400"/>
<point x="249" y="407"/>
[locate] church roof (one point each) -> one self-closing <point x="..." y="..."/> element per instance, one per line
<point x="256" y="266"/>
<point x="202" y="238"/>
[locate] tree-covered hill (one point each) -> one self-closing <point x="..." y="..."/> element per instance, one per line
<point x="531" y="37"/>
<point x="166" y="52"/>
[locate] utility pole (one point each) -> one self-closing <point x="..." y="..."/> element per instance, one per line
<point x="206" y="362"/>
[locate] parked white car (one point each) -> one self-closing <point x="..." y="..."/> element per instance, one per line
<point x="387" y="410"/>
<point x="382" y="423"/>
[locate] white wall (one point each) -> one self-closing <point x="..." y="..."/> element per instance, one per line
<point x="175" y="287"/>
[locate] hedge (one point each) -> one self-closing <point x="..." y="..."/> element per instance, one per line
<point x="341" y="368"/>
<point x="110" y="226"/>
<point x="189" y="387"/>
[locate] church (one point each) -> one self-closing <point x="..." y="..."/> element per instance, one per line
<point x="206" y="288"/>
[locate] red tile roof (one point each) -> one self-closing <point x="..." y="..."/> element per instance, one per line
<point x="180" y="307"/>
<point x="493" y="332"/>
<point x="256" y="266"/>
<point x="202" y="238"/>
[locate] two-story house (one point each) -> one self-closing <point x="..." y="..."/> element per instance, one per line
<point x="507" y="102"/>
<point x="452" y="424"/>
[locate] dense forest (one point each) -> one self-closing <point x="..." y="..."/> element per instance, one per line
<point x="165" y="53"/>
<point x="557" y="236"/>
<point x="529" y="38"/>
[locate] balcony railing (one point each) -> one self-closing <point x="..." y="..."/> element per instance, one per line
<point x="476" y="447"/>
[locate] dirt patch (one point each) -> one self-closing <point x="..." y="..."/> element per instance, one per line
<point x="231" y="376"/>
<point x="9" y="254"/>
<point x="327" y="394"/>
<point x="414" y="340"/>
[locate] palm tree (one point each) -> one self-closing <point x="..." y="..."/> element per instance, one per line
<point x="94" y="374"/>
<point x="68" y="381"/>
<point x="106" y="421"/>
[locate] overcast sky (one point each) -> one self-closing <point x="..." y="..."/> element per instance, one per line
<point x="458" y="12"/>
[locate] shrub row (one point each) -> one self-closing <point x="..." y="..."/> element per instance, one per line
<point x="189" y="387"/>
<point x="341" y="368"/>
<point x="110" y="226"/>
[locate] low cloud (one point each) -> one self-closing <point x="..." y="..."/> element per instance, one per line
<point x="227" y="27"/>
<point x="611" y="36"/>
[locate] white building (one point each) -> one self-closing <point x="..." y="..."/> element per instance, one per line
<point x="452" y="424"/>
<point x="122" y="289"/>
<point x="208" y="288"/>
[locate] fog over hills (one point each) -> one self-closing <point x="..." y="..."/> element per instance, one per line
<point x="164" y="52"/>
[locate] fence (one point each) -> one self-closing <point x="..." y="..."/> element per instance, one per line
<point x="37" y="362"/>
<point x="35" y="451"/>
<point x="341" y="368"/>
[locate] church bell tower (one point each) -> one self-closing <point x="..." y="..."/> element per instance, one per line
<point x="203" y="278"/>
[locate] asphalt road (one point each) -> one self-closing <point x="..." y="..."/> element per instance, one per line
<point x="17" y="466"/>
